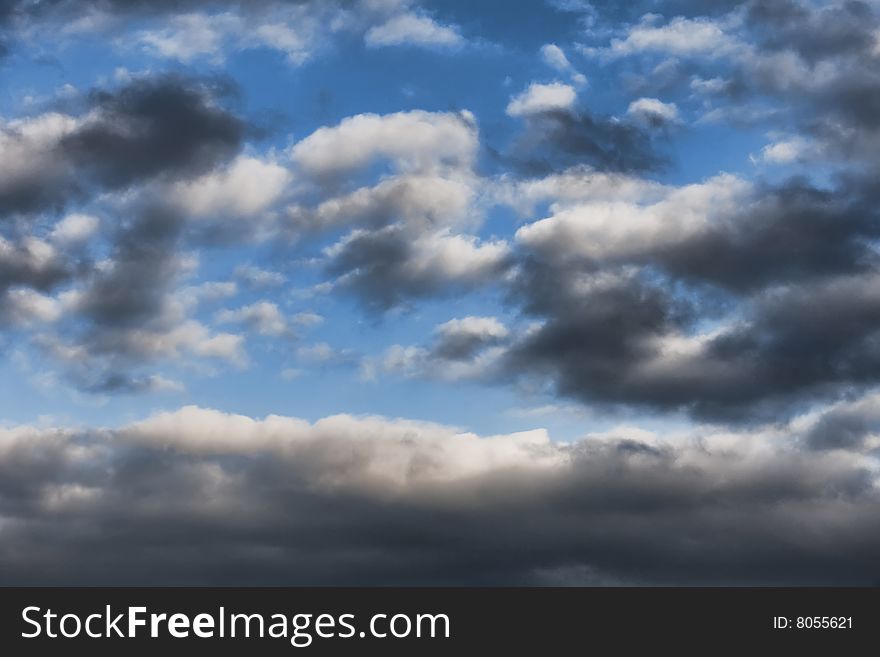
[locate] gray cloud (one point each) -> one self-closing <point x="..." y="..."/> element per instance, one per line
<point x="794" y="232"/>
<point x="198" y="497"/>
<point x="392" y="265"/>
<point x="153" y="127"/>
<point x="783" y="278"/>
<point x="815" y="33"/>
<point x="556" y="139"/>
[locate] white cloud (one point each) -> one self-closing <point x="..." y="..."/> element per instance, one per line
<point x="225" y="346"/>
<point x="28" y="146"/>
<point x="427" y="200"/>
<point x="555" y="57"/>
<point x="189" y="36"/>
<point x="324" y="354"/>
<point x="784" y="151"/>
<point x="413" y="29"/>
<point x="244" y="188"/>
<point x="74" y="229"/>
<point x="680" y="36"/>
<point x="257" y="277"/>
<point x="263" y="316"/>
<point x="295" y="29"/>
<point x="575" y="185"/>
<point x="187" y="337"/>
<point x="541" y="98"/>
<point x="651" y="111"/>
<point x="414" y="141"/>
<point x="346" y="451"/>
<point x="25" y="306"/>
<point x="480" y="327"/>
<point x="455" y="258"/>
<point x="467" y="348"/>
<point x="607" y="229"/>
<point x="307" y="319"/>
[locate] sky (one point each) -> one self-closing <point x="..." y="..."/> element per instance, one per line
<point x="552" y="292"/>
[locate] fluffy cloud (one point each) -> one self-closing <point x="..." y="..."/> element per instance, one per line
<point x="264" y="317"/>
<point x="413" y="29"/>
<point x="386" y="267"/>
<point x="653" y="112"/>
<point x="74" y="229"/>
<point x="540" y="98"/>
<point x="463" y="348"/>
<point x="680" y="36"/>
<point x="616" y="229"/>
<point x="404" y="240"/>
<point x="555" y="57"/>
<point x="244" y="188"/>
<point x="413" y="141"/>
<point x="417" y="200"/>
<point x="188" y="30"/>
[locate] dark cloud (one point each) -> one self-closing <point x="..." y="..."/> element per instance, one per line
<point x="156" y="127"/>
<point x="612" y="510"/>
<point x="558" y="139"/>
<point x="122" y="383"/>
<point x="133" y="287"/>
<point x="159" y="127"/>
<point x="781" y="287"/>
<point x="840" y="29"/>
<point x="125" y="314"/>
<point x="32" y="264"/>
<point x="792" y="233"/>
<point x="839" y="430"/>
<point x="393" y="265"/>
<point x="595" y="333"/>
<point x="606" y="343"/>
<point x="461" y="341"/>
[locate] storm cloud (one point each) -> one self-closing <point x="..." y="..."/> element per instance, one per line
<point x="197" y="496"/>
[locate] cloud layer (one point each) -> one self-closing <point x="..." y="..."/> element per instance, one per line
<point x="185" y="496"/>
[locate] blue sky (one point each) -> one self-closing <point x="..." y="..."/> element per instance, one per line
<point x="343" y="77"/>
<point x="642" y="233"/>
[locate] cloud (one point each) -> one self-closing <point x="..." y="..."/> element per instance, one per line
<point x="321" y="353"/>
<point x="540" y="98"/>
<point x="190" y="36"/>
<point x="224" y="499"/>
<point x="555" y="57"/>
<point x="653" y="113"/>
<point x="414" y="29"/>
<point x="467" y="348"/>
<point x="74" y="229"/>
<point x="405" y="238"/>
<point x="784" y="151"/>
<point x="680" y="36"/>
<point x="125" y="312"/>
<point x="191" y="30"/>
<point x="244" y="188"/>
<point x="558" y="139"/>
<point x="152" y="128"/>
<point x="264" y="317"/>
<point x="258" y="278"/>
<point x="428" y="201"/>
<point x="413" y="141"/>
<point x="32" y="262"/>
<point x="389" y="266"/>
<point x="687" y="302"/>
